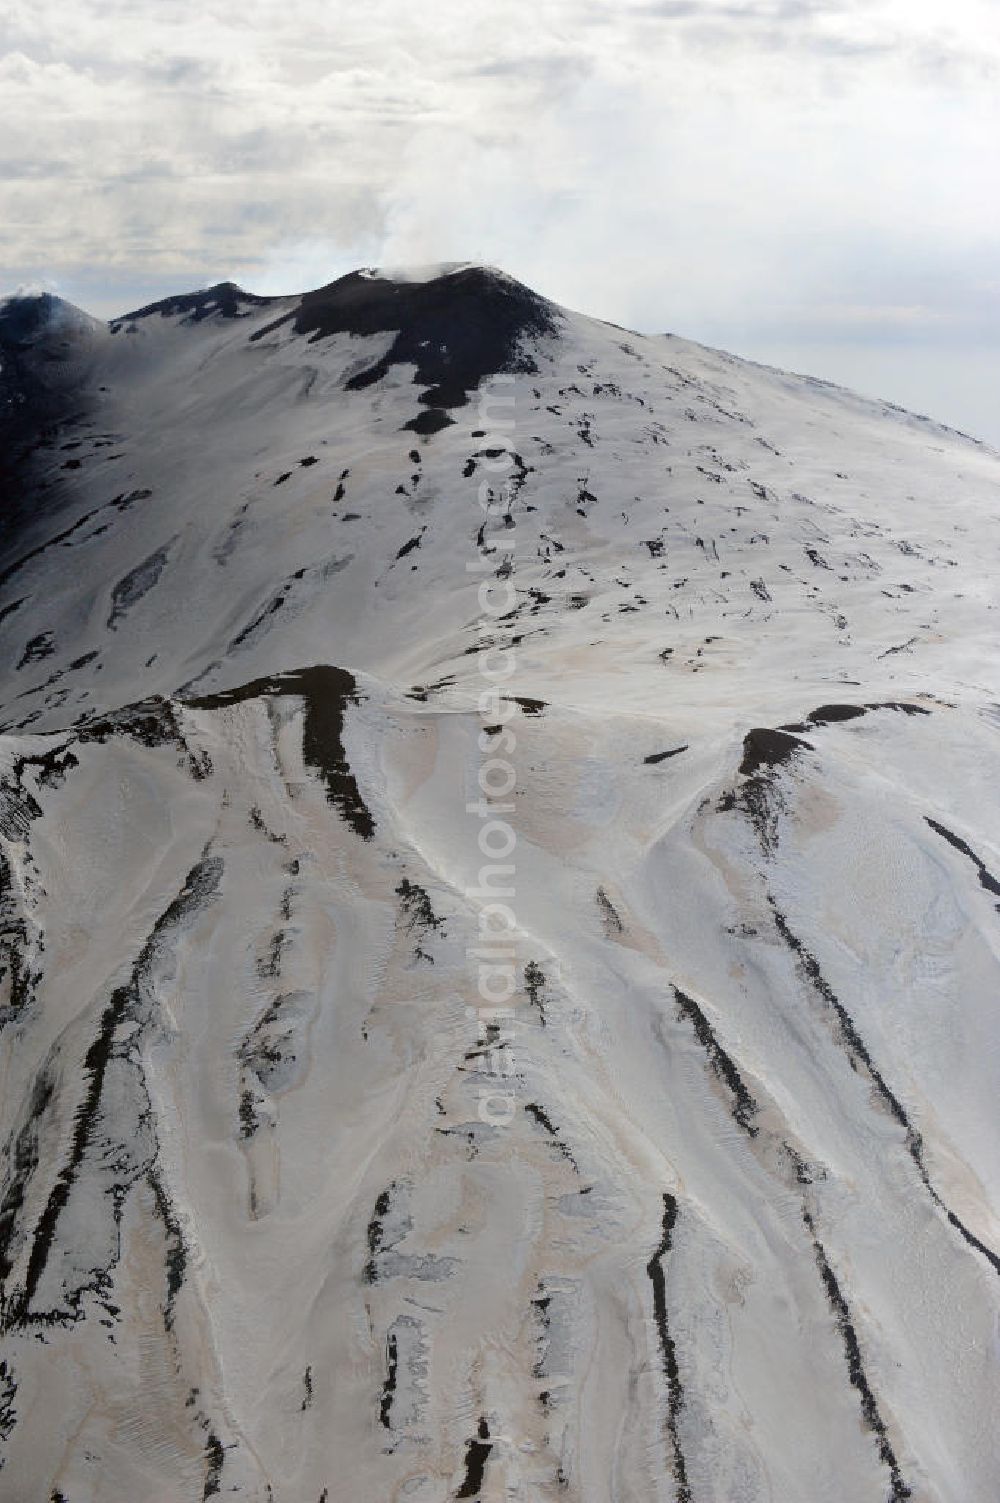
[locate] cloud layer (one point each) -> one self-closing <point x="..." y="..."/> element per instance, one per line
<point x="744" y="171"/>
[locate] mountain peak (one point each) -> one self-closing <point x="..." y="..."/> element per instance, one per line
<point x="456" y="327"/>
<point x="222" y="300"/>
<point x="33" y="319"/>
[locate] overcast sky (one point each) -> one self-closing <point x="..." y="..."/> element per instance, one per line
<point x="812" y="182"/>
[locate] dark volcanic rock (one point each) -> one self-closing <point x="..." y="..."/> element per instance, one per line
<point x="43" y="348"/>
<point x="225" y="299"/>
<point x="831" y="714"/>
<point x="767" y="748"/>
<point x="455" y="329"/>
<point x="326" y="691"/>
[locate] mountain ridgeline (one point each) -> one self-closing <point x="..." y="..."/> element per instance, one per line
<point x="499" y="871"/>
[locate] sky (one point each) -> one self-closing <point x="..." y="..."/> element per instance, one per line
<point x="811" y="183"/>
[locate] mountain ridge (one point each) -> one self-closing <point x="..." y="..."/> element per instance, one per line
<point x="498" y="923"/>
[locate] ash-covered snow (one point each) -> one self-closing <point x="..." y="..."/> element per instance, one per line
<point x="739" y="1240"/>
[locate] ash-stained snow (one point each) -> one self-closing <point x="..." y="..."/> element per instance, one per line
<point x="739" y="1241"/>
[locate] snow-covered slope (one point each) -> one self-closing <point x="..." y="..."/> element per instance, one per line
<point x="371" y="655"/>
